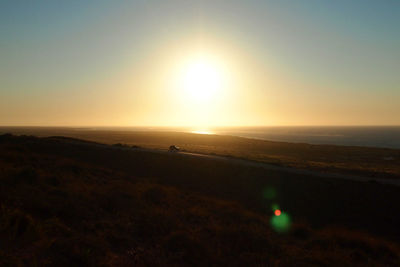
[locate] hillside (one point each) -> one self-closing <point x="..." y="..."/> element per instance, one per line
<point x="376" y="163"/>
<point x="70" y="202"/>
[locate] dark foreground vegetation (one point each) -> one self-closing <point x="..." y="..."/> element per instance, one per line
<point x="65" y="202"/>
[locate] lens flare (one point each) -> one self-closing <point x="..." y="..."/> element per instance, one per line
<point x="269" y="193"/>
<point x="275" y="207"/>
<point x="281" y="223"/>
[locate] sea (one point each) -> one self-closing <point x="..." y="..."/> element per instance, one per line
<point x="370" y="136"/>
<point x="366" y="136"/>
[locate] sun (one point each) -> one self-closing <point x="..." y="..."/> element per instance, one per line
<point x="200" y="88"/>
<point x="202" y="79"/>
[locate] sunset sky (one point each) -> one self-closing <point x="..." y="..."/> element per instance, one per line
<point x="206" y="63"/>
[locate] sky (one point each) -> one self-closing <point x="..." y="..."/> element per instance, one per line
<point x="199" y="63"/>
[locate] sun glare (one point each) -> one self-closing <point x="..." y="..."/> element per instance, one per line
<point x="201" y="88"/>
<point x="202" y="79"/>
<point x="201" y="132"/>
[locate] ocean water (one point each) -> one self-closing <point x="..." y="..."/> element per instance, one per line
<point x="370" y="136"/>
<point x="379" y="136"/>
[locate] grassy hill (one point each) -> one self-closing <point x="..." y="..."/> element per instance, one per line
<point x="366" y="161"/>
<point x="70" y="202"/>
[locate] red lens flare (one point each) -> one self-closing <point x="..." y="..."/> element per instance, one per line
<point x="277" y="212"/>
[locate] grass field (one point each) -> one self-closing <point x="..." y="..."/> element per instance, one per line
<point x="67" y="202"/>
<point x="366" y="161"/>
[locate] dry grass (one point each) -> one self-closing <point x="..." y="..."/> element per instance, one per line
<point x="67" y="204"/>
<point x="330" y="158"/>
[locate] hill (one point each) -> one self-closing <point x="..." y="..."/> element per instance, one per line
<point x="70" y="202"/>
<point x="376" y="163"/>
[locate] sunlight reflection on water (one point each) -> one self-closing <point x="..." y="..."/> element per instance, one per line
<point x="201" y="132"/>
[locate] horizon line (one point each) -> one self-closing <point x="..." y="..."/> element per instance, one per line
<point x="185" y="126"/>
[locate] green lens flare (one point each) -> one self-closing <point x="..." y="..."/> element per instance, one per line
<point x="274" y="207"/>
<point x="281" y="223"/>
<point x="269" y="193"/>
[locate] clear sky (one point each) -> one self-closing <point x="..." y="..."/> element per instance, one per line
<point x="187" y="63"/>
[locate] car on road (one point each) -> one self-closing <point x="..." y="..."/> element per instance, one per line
<point x="173" y="148"/>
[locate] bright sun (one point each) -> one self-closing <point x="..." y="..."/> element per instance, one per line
<point x="202" y="79"/>
<point x="200" y="88"/>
